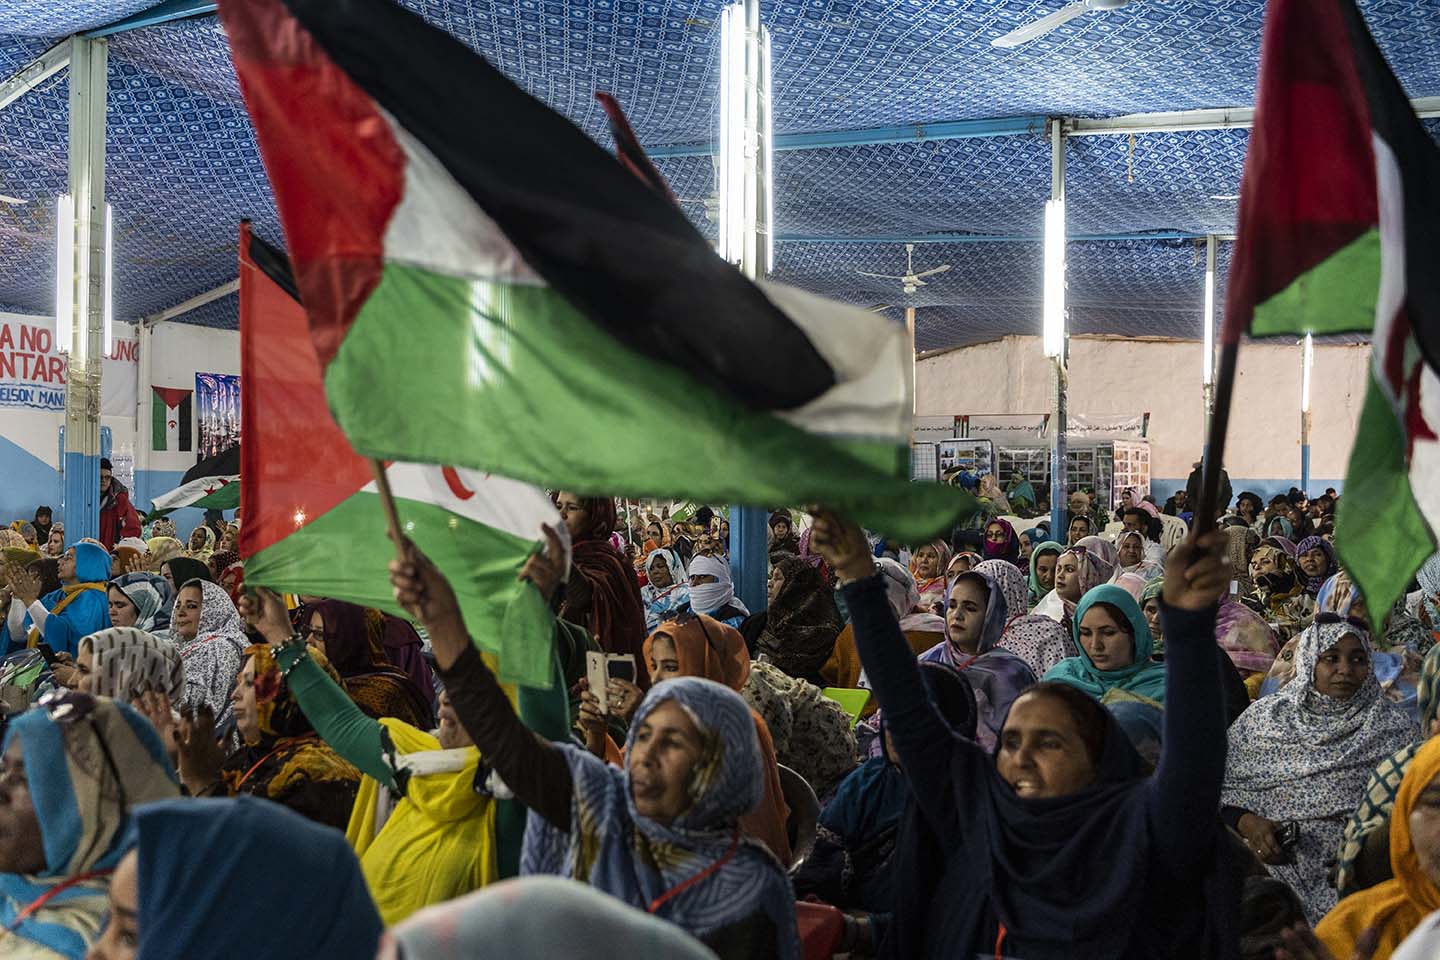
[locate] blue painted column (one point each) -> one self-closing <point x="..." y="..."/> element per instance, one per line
<point x="750" y="555"/>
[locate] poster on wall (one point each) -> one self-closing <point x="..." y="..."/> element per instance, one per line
<point x="32" y="368"/>
<point x="957" y="455"/>
<point x="217" y="412"/>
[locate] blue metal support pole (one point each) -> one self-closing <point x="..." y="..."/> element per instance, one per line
<point x="165" y="12"/>
<point x="81" y="466"/>
<point x="909" y="133"/>
<point x="985" y="237"/>
<point x="750" y="555"/>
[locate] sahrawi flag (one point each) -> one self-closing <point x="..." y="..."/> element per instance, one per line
<point x="314" y="523"/>
<point x="1339" y="233"/>
<point x="486" y="285"/>
<point x="212" y="484"/>
<point x="170" y="416"/>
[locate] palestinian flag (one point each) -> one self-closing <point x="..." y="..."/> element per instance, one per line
<point x="314" y="523"/>
<point x="485" y="284"/>
<point x="212" y="484"/>
<point x="171" y="415"/>
<point x="1340" y="233"/>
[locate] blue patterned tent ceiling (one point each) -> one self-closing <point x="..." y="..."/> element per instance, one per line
<point x="182" y="165"/>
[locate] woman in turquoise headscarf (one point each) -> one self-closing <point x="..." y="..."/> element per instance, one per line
<point x="1038" y="588"/>
<point x="72" y="770"/>
<point x="1115" y="647"/>
<point x="79" y="608"/>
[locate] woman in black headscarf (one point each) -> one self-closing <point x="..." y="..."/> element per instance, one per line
<point x="801" y="623"/>
<point x="1057" y="846"/>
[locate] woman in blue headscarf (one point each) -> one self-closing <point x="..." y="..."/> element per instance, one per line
<point x="662" y="833"/>
<point x="298" y="886"/>
<point x="975" y="617"/>
<point x="1115" y="646"/>
<point x="79" y="608"/>
<point x="72" y="770"/>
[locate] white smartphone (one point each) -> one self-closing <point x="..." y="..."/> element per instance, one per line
<point x="600" y="667"/>
<point x="595" y="674"/>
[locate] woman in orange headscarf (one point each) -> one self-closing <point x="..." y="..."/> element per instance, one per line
<point x="1396" y="907"/>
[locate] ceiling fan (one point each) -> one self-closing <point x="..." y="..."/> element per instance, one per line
<point x="16" y="201"/>
<point x="912" y="280"/>
<point x="1049" y="22"/>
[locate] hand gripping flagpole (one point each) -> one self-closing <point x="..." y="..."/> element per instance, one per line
<point x="1214" y="455"/>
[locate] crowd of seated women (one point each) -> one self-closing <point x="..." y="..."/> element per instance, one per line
<point x="1127" y="744"/>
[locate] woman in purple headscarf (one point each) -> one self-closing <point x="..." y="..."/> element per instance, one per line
<point x="975" y="616"/>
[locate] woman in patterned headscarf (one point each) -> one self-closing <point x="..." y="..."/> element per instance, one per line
<point x="1248" y="641"/>
<point x="282" y="758"/>
<point x="605" y="824"/>
<point x="210" y="636"/>
<point x="80" y="763"/>
<point x="1011" y="584"/>
<point x="1039" y="641"/>
<point x="700" y="646"/>
<point x="1316" y="559"/>
<point x="124" y="663"/>
<point x="1279" y="594"/>
<point x="1364" y="850"/>
<point x="667" y="588"/>
<point x="141" y="600"/>
<point x="1304" y="753"/>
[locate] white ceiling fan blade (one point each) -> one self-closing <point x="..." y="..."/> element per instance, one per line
<point x="914" y="281"/>
<point x="933" y="271"/>
<point x="1042" y="26"/>
<point x="878" y="276"/>
<point x="15" y="200"/>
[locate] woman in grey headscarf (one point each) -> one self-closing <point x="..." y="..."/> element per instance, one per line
<point x="141" y="600"/>
<point x="536" y="918"/>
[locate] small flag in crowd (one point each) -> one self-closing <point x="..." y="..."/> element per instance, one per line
<point x="314" y="523"/>
<point x="485" y="284"/>
<point x="1340" y="233"/>
<point x="212" y="484"/>
<point x="170" y="419"/>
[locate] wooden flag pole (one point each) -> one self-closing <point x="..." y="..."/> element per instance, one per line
<point x="1214" y="456"/>
<point x="387" y="502"/>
